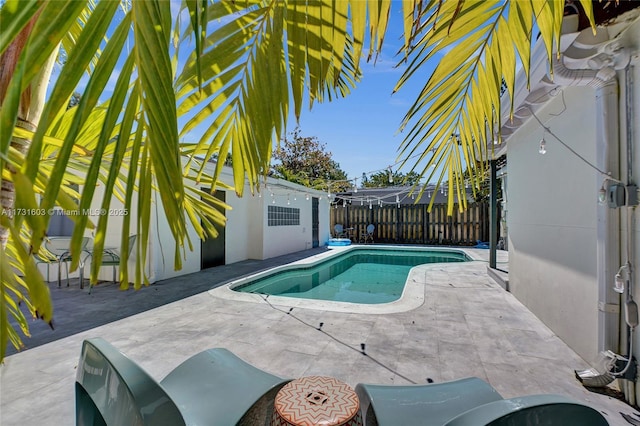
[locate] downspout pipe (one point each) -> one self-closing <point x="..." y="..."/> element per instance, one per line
<point x="493" y="214"/>
<point x="608" y="228"/>
<point x="604" y="81"/>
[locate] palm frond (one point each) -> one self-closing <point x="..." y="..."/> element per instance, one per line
<point x="260" y="55"/>
<point x="476" y="44"/>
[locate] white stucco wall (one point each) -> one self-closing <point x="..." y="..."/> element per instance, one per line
<point x="162" y="246"/>
<point x="247" y="234"/>
<point x="564" y="248"/>
<point x="280" y="240"/>
<point x="631" y="37"/>
<point x="241" y="231"/>
<point x="552" y="219"/>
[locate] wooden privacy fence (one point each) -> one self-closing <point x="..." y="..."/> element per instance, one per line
<point x="412" y="224"/>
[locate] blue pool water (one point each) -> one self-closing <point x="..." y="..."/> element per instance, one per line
<point x="367" y="276"/>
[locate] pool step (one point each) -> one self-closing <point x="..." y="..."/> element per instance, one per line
<point x="500" y="277"/>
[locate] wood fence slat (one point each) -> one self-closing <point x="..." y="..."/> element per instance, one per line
<point x="413" y="224"/>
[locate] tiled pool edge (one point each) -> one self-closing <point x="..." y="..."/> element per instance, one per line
<point x="413" y="295"/>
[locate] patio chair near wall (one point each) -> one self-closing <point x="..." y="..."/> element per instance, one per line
<point x="338" y="231"/>
<point x="111" y="256"/>
<point x="467" y="402"/>
<point x="59" y="248"/>
<point x="214" y="387"/>
<point x="46" y="257"/>
<point x="367" y="235"/>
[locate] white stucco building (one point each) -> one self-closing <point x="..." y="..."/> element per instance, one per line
<point x="283" y="218"/>
<point x="565" y="245"/>
<point x="278" y="220"/>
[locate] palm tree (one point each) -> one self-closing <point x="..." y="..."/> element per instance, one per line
<point x="244" y="61"/>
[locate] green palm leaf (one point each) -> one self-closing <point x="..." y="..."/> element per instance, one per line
<point x="244" y="59"/>
<point x="478" y="42"/>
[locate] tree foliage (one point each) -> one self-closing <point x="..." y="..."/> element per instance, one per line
<point x="386" y="178"/>
<point x="304" y="160"/>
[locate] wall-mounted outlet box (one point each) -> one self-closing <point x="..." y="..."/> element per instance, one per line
<point x="632" y="195"/>
<point x="616" y="195"/>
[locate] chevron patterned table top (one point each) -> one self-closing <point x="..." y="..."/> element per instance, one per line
<point x="316" y="400"/>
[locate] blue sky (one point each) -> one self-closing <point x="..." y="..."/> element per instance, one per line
<point x="361" y="130"/>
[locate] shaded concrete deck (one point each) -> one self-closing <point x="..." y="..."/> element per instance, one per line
<point x="77" y="310"/>
<point x="467" y="326"/>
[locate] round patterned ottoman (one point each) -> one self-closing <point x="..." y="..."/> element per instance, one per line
<point x="316" y="400"/>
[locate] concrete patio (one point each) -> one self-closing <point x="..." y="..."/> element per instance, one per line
<point x="466" y="326"/>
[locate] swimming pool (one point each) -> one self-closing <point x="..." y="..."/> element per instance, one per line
<point x="360" y="275"/>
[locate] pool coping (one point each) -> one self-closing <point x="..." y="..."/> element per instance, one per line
<point x="412" y="297"/>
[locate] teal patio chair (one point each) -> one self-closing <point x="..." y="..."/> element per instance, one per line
<point x="214" y="387"/>
<point x="59" y="248"/>
<point x="111" y="256"/>
<point x="46" y="257"/>
<point x="467" y="402"/>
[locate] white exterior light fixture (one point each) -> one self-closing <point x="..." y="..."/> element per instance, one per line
<point x="543" y="146"/>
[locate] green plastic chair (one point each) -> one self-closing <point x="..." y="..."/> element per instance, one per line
<point x="548" y="410"/>
<point x="422" y="405"/>
<point x="113" y="390"/>
<point x="59" y="248"/>
<point x="214" y="387"/>
<point x="44" y="256"/>
<point x="467" y="402"/>
<point x="112" y="257"/>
